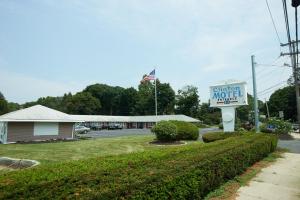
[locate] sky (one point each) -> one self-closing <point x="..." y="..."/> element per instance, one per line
<point x="51" y="47"/>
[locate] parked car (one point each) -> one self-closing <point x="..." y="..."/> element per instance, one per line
<point x="96" y="127"/>
<point x="115" y="126"/>
<point x="81" y="129"/>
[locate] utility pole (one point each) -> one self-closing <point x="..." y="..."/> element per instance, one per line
<point x="296" y="74"/>
<point x="268" y="114"/>
<point x="256" y="112"/>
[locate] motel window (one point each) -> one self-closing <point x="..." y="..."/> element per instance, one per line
<point x="44" y="128"/>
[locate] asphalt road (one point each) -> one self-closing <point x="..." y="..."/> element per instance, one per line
<point x="292" y="145"/>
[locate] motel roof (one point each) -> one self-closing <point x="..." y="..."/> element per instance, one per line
<point x="37" y="113"/>
<point x="146" y="118"/>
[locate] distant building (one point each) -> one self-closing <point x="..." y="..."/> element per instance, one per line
<point x="36" y="123"/>
<point x="130" y="121"/>
<point x="42" y="123"/>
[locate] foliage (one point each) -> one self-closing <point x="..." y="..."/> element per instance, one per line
<point x="3" y="105"/>
<point x="1" y="96"/>
<point x="277" y="126"/>
<point x="13" y="106"/>
<point x="145" y="104"/>
<point x="165" y="131"/>
<point x="186" y="130"/>
<point x="246" y="113"/>
<point x="211" y="137"/>
<point x="108" y="96"/>
<point x="220" y="125"/>
<point x="209" y="115"/>
<point x="283" y="100"/>
<point x="186" y="172"/>
<point x="187" y="101"/>
<point x="127" y="101"/>
<point x="83" y="103"/>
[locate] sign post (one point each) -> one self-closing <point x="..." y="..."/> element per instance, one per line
<point x="228" y="95"/>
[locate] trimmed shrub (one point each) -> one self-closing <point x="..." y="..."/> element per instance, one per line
<point x="165" y="131"/>
<point x="211" y="137"/>
<point x="186" y="130"/>
<point x="186" y="172"/>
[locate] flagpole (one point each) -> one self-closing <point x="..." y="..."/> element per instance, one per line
<point x="155" y="95"/>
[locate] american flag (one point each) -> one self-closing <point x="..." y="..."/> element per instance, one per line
<point x="150" y="77"/>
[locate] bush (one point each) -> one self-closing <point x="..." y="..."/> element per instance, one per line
<point x="277" y="126"/>
<point x="186" y="130"/>
<point x="185" y="172"/>
<point x="220" y="125"/>
<point x="165" y="131"/>
<point x="211" y="137"/>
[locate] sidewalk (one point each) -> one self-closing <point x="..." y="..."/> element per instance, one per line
<point x="280" y="181"/>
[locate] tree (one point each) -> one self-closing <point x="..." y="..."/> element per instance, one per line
<point x="13" y="106"/>
<point x="246" y="113"/>
<point x="284" y="100"/>
<point x="83" y="103"/>
<point x="3" y="104"/>
<point x="145" y="104"/>
<point x="187" y="101"/>
<point x="209" y="115"/>
<point x="2" y="96"/>
<point x="165" y="98"/>
<point x="108" y="96"/>
<point x="127" y="101"/>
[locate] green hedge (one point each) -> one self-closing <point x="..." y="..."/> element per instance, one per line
<point x="211" y="137"/>
<point x="165" y="131"/>
<point x="186" y="172"/>
<point x="186" y="130"/>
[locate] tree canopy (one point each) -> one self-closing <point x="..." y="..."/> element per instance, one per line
<point x="187" y="101"/>
<point x="283" y="100"/>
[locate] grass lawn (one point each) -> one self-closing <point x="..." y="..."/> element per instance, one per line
<point x="76" y="150"/>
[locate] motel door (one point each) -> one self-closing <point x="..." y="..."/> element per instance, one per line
<point x="3" y="135"/>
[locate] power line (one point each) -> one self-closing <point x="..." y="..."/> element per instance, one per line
<point x="261" y="95"/>
<point x="266" y="65"/>
<point x="272" y="87"/>
<point x="278" y="38"/>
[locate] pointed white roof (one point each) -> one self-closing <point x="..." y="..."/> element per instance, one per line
<point x="37" y="113"/>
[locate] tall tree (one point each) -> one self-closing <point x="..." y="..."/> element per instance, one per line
<point x="3" y="104"/>
<point x="165" y="98"/>
<point x="187" y="101"/>
<point x="83" y="103"/>
<point x="127" y="101"/>
<point x="284" y="100"/>
<point x="145" y="104"/>
<point x="108" y="96"/>
<point x="209" y="115"/>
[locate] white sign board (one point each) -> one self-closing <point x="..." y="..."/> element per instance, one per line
<point x="233" y="94"/>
